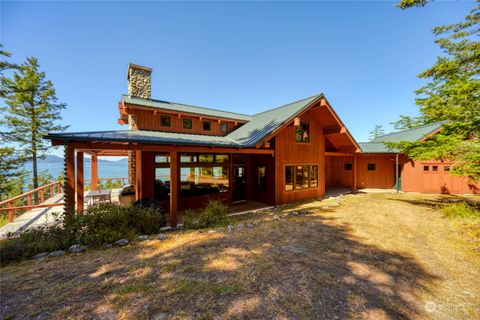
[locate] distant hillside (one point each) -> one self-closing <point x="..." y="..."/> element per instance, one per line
<point x="106" y="168"/>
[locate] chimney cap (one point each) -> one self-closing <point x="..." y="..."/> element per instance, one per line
<point x="137" y="66"/>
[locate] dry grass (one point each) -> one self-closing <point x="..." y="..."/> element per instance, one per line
<point x="376" y="256"/>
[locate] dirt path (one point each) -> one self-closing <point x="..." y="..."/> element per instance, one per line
<point x="376" y="256"/>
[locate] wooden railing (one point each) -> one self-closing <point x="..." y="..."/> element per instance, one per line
<point x="122" y="179"/>
<point x="31" y="200"/>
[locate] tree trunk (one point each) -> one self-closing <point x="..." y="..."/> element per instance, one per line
<point x="35" y="171"/>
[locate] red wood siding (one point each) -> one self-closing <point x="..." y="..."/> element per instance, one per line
<point x="415" y="179"/>
<point x="150" y="120"/>
<point x="289" y="152"/>
<point x="381" y="178"/>
<point x="335" y="174"/>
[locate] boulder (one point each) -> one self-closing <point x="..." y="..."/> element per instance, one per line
<point x="143" y="237"/>
<point x="161" y="236"/>
<point x="121" y="242"/>
<point x="40" y="255"/>
<point x="229" y="228"/>
<point x="76" y="248"/>
<point x="57" y="253"/>
<point x="106" y="245"/>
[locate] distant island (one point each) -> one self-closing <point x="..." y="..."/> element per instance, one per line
<point x="106" y="168"/>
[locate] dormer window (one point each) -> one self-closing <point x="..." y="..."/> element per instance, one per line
<point x="165" y="121"/>
<point x="187" y="123"/>
<point x="224" y="127"/>
<point x="302" y="132"/>
<point x="207" y="126"/>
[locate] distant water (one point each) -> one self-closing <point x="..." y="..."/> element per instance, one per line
<point x="106" y="168"/>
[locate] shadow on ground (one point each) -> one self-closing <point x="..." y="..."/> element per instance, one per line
<point x="296" y="268"/>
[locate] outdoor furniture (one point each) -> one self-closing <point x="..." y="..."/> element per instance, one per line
<point x="98" y="196"/>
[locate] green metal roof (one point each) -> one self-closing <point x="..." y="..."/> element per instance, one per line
<point x="264" y="123"/>
<point x="409" y="135"/>
<point x="180" y="107"/>
<point x="376" y="145"/>
<point x="144" y="136"/>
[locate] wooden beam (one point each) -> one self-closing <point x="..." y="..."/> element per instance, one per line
<point x="334" y="130"/>
<point x="69" y="182"/>
<point x="337" y="154"/>
<point x="138" y="174"/>
<point x="80" y="180"/>
<point x="94" y="185"/>
<point x="174" y="188"/>
<point x="162" y="148"/>
<point x="354" y="172"/>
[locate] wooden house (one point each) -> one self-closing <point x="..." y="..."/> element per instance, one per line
<point x="184" y="155"/>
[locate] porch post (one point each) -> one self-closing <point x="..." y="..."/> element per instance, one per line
<point x="138" y="175"/>
<point x="174" y="177"/>
<point x="80" y="181"/>
<point x="69" y="182"/>
<point x="354" y="172"/>
<point x="94" y="185"/>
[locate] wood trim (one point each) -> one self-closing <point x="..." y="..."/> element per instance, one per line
<point x="69" y="184"/>
<point x="138" y="174"/>
<point x="80" y="182"/>
<point x="94" y="175"/>
<point x="338" y="154"/>
<point x="333" y="131"/>
<point x="174" y="188"/>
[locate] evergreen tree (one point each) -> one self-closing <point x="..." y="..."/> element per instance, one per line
<point x="453" y="94"/>
<point x="376" y="132"/>
<point x="31" y="111"/>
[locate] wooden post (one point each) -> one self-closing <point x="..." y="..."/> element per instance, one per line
<point x="11" y="213"/>
<point x="354" y="172"/>
<point x="174" y="178"/>
<point x="69" y="184"/>
<point x="42" y="195"/>
<point x="80" y="180"/>
<point x="51" y="191"/>
<point x="94" y="185"/>
<point x="29" y="199"/>
<point x="138" y="175"/>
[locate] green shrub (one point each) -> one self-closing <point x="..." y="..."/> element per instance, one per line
<point x="215" y="214"/>
<point x="104" y="223"/>
<point x="461" y="210"/>
<point x="189" y="221"/>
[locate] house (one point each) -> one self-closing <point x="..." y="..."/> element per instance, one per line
<point x="184" y="155"/>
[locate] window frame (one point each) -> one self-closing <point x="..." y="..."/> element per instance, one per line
<point x="165" y="116"/>
<point x="224" y="124"/>
<point x="204" y="122"/>
<point x="191" y="123"/>
<point x="293" y="184"/>
<point x="374" y="166"/>
<point x="307" y="125"/>
<point x="347" y="166"/>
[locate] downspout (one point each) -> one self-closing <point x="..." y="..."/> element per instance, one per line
<point x="396" y="173"/>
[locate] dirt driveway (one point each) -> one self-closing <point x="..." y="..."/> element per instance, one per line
<point x="372" y="256"/>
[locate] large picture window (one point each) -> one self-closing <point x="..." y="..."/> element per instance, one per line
<point x="301" y="177"/>
<point x="161" y="187"/>
<point x="203" y="174"/>
<point x="302" y="133"/>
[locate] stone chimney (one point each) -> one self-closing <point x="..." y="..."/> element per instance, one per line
<point x="139" y="86"/>
<point x="139" y="81"/>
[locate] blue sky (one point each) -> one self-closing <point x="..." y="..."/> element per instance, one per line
<point x="243" y="57"/>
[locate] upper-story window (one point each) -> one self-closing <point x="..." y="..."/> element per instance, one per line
<point x="371" y="166"/>
<point x="224" y="127"/>
<point x="165" y="121"/>
<point x="187" y="123"/>
<point x="302" y="133"/>
<point x="207" y="125"/>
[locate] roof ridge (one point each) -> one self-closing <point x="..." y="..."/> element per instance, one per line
<point x="405" y="130"/>
<point x="189" y="105"/>
<point x="315" y="95"/>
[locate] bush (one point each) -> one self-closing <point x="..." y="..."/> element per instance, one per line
<point x="189" y="221"/>
<point x="105" y="223"/>
<point x="461" y="210"/>
<point x="214" y="215"/>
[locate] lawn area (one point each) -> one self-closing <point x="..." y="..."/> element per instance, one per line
<point x="373" y="256"/>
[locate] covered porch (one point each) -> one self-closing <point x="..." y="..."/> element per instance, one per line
<point x="180" y="177"/>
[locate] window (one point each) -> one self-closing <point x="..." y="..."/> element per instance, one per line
<point x="222" y="158"/>
<point x="165" y="121"/>
<point x="301" y="177"/>
<point x="188" y="158"/>
<point x="200" y="181"/>
<point x="161" y="188"/>
<point x="187" y="123"/>
<point x="206" y="158"/>
<point x="434" y="168"/>
<point x="302" y="133"/>
<point x="371" y="166"/>
<point x="261" y="178"/>
<point x="162" y="158"/>
<point x="446" y="168"/>
<point x="313" y="176"/>
<point x="347" y="166"/>
<point x="426" y="168"/>
<point x="288" y="178"/>
<point x="206" y="125"/>
<point x="224" y="127"/>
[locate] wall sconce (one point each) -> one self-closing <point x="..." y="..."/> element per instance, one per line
<point x="296" y="122"/>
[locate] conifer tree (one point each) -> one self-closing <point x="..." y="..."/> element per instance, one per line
<point x="376" y="132"/>
<point x="31" y="110"/>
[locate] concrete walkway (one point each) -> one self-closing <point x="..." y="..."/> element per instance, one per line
<point x="33" y="218"/>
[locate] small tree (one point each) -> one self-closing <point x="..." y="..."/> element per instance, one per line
<point x="31" y="111"/>
<point x="376" y="132"/>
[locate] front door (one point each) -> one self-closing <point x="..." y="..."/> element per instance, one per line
<point x="239" y="183"/>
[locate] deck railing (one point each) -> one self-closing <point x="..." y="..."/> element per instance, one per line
<point x="107" y="181"/>
<point x="32" y="199"/>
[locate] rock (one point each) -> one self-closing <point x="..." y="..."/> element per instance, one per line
<point x="106" y="245"/>
<point x="161" y="236"/>
<point x="229" y="228"/>
<point x="276" y="217"/>
<point x="57" y="253"/>
<point x="142" y="237"/>
<point x="250" y="225"/>
<point x="240" y="226"/>
<point x="76" y="248"/>
<point x="211" y="231"/>
<point x="40" y="255"/>
<point x="160" y="316"/>
<point x="121" y="242"/>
